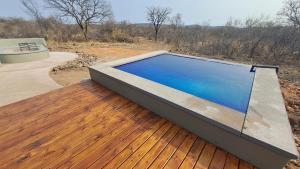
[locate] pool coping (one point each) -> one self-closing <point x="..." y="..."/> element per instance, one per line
<point x="266" y="121"/>
<point x="241" y="127"/>
<point x="231" y="121"/>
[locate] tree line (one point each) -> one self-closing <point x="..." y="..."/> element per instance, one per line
<point x="259" y="39"/>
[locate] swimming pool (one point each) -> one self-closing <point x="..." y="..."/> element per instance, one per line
<point x="231" y="105"/>
<point x="225" y="84"/>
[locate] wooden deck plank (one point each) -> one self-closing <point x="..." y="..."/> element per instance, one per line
<point x="73" y="128"/>
<point x="194" y="153"/>
<point x="219" y="160"/>
<point x="168" y="152"/>
<point x="134" y="158"/>
<point x="25" y="105"/>
<point x="121" y="157"/>
<point x="181" y="152"/>
<point x="86" y="125"/>
<point x="14" y="118"/>
<point x="78" y="129"/>
<point x="161" y="131"/>
<point x="231" y="162"/>
<point x="19" y="122"/>
<point x="108" y="154"/>
<point x="147" y="160"/>
<point x="205" y="157"/>
<point x="85" y="151"/>
<point x="38" y="124"/>
<point x="42" y="124"/>
<point x="244" y="165"/>
<point x="31" y="135"/>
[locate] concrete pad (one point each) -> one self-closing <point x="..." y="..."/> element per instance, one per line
<point x="24" y="80"/>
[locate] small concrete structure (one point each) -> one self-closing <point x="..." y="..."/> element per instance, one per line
<point x="24" y="80"/>
<point x="22" y="50"/>
<point x="262" y="136"/>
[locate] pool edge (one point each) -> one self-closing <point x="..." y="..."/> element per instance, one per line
<point x="249" y="149"/>
<point x="266" y="115"/>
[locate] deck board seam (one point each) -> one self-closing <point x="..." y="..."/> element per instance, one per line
<point x="121" y="143"/>
<point x="56" y="112"/>
<point x="163" y="149"/>
<point x="187" y="152"/>
<point x="51" y="125"/>
<point x="205" y="143"/>
<point x="145" y="117"/>
<point x="212" y="157"/>
<point x="64" y="136"/>
<point x="150" y="148"/>
<point x="96" y="142"/>
<point x="174" y="125"/>
<point x="138" y="146"/>
<point x="170" y="157"/>
<point x="154" y="144"/>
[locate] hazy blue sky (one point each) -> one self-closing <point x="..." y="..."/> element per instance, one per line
<point x="216" y="12"/>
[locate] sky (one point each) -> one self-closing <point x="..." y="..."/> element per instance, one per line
<point x="213" y="12"/>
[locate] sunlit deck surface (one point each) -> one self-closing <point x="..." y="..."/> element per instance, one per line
<point x="88" y="126"/>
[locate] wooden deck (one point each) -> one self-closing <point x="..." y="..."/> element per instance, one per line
<point x="88" y="126"/>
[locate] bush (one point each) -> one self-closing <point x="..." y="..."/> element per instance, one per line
<point x="121" y="36"/>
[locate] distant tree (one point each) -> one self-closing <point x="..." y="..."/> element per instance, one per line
<point x="33" y="10"/>
<point x="84" y="12"/>
<point x="256" y="30"/>
<point x="233" y="22"/>
<point x="157" y="16"/>
<point x="291" y="12"/>
<point x="176" y="21"/>
<point x="176" y="31"/>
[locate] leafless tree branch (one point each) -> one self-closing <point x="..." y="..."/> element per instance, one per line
<point x="33" y="10"/>
<point x="157" y="16"/>
<point x="291" y="11"/>
<point x="84" y="12"/>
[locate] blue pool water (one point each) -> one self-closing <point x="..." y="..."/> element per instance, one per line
<point x="224" y="84"/>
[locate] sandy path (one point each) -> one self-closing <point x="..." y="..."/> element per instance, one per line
<point x="23" y="80"/>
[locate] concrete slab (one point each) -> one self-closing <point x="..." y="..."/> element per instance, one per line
<point x="23" y="80"/>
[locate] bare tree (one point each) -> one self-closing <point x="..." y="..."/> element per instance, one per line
<point x="176" y="21"/>
<point x="84" y="12"/>
<point x="157" y="16"/>
<point x="291" y="12"/>
<point x="176" y="25"/>
<point x="32" y="9"/>
<point x="255" y="32"/>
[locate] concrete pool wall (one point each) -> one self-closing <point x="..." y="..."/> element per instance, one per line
<point x="262" y="136"/>
<point x="11" y="53"/>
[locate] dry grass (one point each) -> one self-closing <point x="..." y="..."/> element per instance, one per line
<point x="66" y="78"/>
<point x="103" y="51"/>
<point x="109" y="51"/>
<point x="291" y="94"/>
